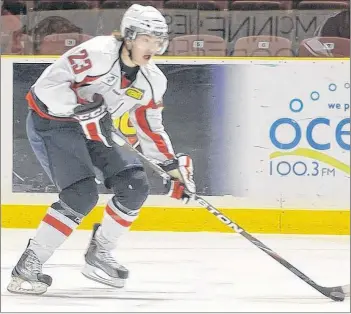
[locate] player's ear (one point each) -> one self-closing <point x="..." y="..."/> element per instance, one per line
<point x="128" y="44"/>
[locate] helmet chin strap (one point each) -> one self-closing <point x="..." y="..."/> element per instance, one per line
<point x="130" y="54"/>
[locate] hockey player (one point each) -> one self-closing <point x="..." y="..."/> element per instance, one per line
<point x="69" y="127"/>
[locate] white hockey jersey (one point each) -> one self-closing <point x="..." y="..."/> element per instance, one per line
<point x="94" y="67"/>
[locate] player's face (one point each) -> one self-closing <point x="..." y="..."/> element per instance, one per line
<point x="145" y="47"/>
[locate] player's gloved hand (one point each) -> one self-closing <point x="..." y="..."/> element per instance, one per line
<point x="177" y="190"/>
<point x="95" y="120"/>
<point x="182" y="185"/>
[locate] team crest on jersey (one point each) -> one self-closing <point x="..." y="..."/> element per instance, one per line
<point x="110" y="79"/>
<point x="135" y="93"/>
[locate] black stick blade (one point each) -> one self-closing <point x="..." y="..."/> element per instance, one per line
<point x="338" y="293"/>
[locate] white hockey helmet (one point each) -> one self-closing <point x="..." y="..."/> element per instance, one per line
<point x="144" y="20"/>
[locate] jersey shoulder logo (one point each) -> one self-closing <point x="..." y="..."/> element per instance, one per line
<point x="109" y="79"/>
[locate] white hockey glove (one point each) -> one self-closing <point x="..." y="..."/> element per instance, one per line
<point x="182" y="185"/>
<point x="95" y="120"/>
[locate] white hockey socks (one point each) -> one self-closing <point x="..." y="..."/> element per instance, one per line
<point x="57" y="225"/>
<point x="116" y="221"/>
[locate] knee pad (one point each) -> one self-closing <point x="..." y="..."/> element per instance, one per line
<point x="81" y="196"/>
<point x="131" y="188"/>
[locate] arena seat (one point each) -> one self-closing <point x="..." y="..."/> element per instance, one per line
<point x="197" y="45"/>
<point x="15" y="7"/>
<point x="323" y="5"/>
<point x="330" y="47"/>
<point x="193" y="5"/>
<point x="44" y="5"/>
<point x="256" y="5"/>
<point x="266" y="46"/>
<point x="155" y="3"/>
<point x="108" y="4"/>
<point x="57" y="44"/>
<point x="9" y="22"/>
<point x="19" y="44"/>
<point x="47" y="5"/>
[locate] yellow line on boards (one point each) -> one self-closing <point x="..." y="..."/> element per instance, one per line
<point x="197" y="219"/>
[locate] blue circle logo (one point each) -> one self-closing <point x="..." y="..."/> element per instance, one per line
<point x="315" y="95"/>
<point x="332" y="87"/>
<point x="296" y="105"/>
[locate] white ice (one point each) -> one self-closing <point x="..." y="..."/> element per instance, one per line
<point x="192" y="272"/>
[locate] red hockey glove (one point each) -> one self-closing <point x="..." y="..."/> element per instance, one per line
<point x="177" y="190"/>
<point x="95" y="120"/>
<point x="182" y="185"/>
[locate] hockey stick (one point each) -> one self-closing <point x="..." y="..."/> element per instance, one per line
<point x="337" y="293"/>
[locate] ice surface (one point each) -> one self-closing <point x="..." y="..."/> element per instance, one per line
<point x="192" y="272"/>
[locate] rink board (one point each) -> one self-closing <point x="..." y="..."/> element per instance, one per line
<point x="292" y="205"/>
<point x="192" y="219"/>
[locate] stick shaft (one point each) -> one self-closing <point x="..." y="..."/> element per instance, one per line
<point x="231" y="224"/>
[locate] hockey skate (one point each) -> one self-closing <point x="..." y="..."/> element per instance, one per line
<point x="27" y="276"/>
<point x="101" y="266"/>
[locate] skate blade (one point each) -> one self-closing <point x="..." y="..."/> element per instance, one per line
<point x="92" y="273"/>
<point x="17" y="284"/>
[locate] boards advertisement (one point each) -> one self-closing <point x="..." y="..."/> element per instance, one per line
<point x="293" y="142"/>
